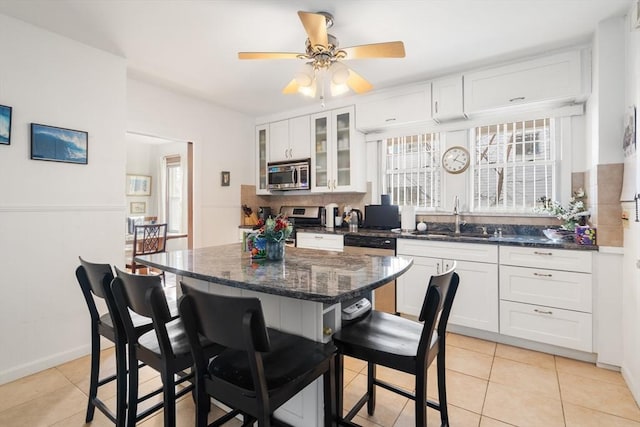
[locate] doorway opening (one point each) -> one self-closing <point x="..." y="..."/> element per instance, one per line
<point x="167" y="164"/>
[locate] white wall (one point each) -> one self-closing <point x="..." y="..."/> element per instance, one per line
<point x="631" y="268"/>
<point x="609" y="90"/>
<point x="50" y="213"/>
<point x="223" y="140"/>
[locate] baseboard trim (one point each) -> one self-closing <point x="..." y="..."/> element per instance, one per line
<point x="632" y="384"/>
<point x="34" y="366"/>
<point x="520" y="342"/>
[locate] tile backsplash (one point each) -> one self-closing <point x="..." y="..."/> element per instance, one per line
<point x="602" y="186"/>
<point x="355" y="200"/>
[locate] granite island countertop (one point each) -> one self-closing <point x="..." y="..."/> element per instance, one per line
<point x="506" y="240"/>
<point x="321" y="276"/>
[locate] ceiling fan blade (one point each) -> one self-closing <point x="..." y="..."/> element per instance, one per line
<point x="291" y="88"/>
<point x="268" y="55"/>
<point x="375" y="50"/>
<point x="316" y="27"/>
<point x="358" y="83"/>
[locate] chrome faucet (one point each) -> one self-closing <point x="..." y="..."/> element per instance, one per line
<point x="456" y="214"/>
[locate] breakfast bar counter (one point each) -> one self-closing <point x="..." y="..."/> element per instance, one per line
<point x="302" y="294"/>
<point x="306" y="274"/>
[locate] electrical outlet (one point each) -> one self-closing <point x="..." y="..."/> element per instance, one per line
<point x="625" y="218"/>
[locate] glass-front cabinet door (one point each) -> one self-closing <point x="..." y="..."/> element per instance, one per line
<point x="262" y="141"/>
<point x="320" y="163"/>
<point x="343" y="149"/>
<point x="333" y="151"/>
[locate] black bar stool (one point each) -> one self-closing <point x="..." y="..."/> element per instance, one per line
<point x="165" y="348"/>
<point x="260" y="369"/>
<point x="95" y="280"/>
<point x="404" y="345"/>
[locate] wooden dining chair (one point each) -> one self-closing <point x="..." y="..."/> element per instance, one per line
<point x="404" y="345"/>
<point x="147" y="239"/>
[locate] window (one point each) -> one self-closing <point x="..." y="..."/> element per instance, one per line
<point x="515" y="165"/>
<point x="174" y="194"/>
<point x="412" y="170"/>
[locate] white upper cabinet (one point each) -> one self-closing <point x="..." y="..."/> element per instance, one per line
<point x="300" y="137"/>
<point x="394" y="108"/>
<point x="279" y="140"/>
<point x="446" y="99"/>
<point x="337" y="162"/>
<point x="290" y="139"/>
<point x="553" y="78"/>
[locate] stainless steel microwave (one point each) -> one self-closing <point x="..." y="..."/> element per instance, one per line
<point x="289" y="175"/>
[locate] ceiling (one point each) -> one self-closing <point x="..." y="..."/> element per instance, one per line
<point x="192" y="46"/>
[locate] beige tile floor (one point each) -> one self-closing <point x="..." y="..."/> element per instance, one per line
<point x="489" y="385"/>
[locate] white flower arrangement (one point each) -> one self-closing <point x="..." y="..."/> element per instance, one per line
<point x="575" y="213"/>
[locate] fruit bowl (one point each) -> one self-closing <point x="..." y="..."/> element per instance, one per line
<point x="555" y="235"/>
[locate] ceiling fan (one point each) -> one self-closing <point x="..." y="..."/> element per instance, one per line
<point x="323" y="59"/>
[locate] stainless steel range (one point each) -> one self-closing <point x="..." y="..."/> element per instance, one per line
<point x="303" y="215"/>
<point x="311" y="216"/>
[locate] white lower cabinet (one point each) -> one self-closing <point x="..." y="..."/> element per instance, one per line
<point x="546" y="296"/>
<point x="476" y="302"/>
<point x="541" y="295"/>
<point x="564" y="328"/>
<point x="326" y="242"/>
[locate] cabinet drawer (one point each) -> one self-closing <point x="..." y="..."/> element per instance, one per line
<point x="448" y="250"/>
<point x="558" y="289"/>
<point x="327" y="242"/>
<point x="556" y="259"/>
<point x="554" y="326"/>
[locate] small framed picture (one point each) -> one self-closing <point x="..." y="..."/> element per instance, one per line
<point x="58" y="144"/>
<point x="629" y="137"/>
<point x="5" y="125"/>
<point x="138" y="207"/>
<point x="138" y="185"/>
<point x="225" y="178"/>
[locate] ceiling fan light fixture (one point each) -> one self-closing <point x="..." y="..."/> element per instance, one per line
<point x="338" y="89"/>
<point x="339" y="73"/>
<point x="305" y="76"/>
<point x="323" y="71"/>
<point x="308" y="90"/>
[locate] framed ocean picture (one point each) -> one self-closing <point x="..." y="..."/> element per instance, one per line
<point x="59" y="144"/>
<point x="5" y="125"/>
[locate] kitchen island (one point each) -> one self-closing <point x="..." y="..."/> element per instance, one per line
<point x="302" y="294"/>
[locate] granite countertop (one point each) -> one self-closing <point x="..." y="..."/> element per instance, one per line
<point x="506" y="240"/>
<point x="327" y="277"/>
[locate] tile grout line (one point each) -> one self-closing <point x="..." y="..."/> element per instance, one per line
<point x="564" y="415"/>
<point x="486" y="391"/>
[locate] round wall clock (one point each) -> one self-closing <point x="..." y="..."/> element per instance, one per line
<point x="456" y="159"/>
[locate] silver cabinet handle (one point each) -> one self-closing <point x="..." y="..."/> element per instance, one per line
<point x="542" y="253"/>
<point x="517" y="98"/>
<point x="391" y="119"/>
<point x="436" y="105"/>
<point x="318" y="237"/>
<point x="542" y="275"/>
<point x="542" y="311"/>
